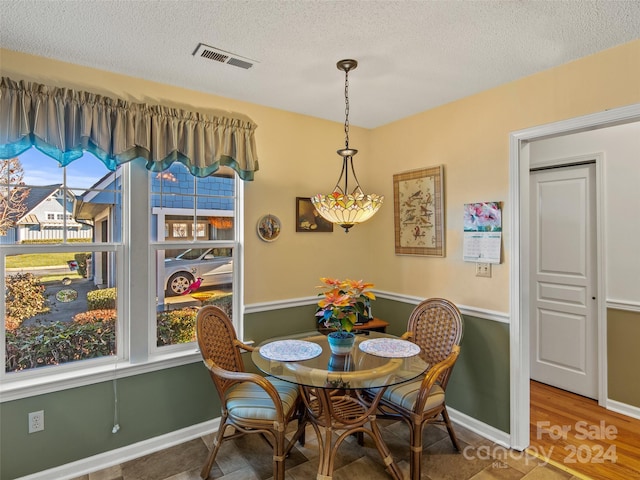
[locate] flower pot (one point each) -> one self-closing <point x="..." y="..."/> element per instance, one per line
<point x="341" y="343"/>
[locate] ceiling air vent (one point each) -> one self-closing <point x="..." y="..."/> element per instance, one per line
<point x="217" y="55"/>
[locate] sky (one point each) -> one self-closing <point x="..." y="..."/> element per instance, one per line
<point x="40" y="169"/>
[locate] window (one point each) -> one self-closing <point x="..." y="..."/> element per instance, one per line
<point x="61" y="255"/>
<point x="194" y="249"/>
<point x="180" y="230"/>
<point x="64" y="261"/>
<point x="115" y="229"/>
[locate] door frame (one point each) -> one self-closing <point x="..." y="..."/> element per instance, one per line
<point x="519" y="269"/>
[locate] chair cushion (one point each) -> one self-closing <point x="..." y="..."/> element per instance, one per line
<point x="405" y="394"/>
<point x="247" y="400"/>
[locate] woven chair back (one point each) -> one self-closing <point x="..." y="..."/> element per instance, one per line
<point x="436" y="326"/>
<point x="216" y="339"/>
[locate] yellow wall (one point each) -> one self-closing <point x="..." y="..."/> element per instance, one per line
<point x="296" y="153"/>
<point x="470" y="137"/>
<point x="297" y="158"/>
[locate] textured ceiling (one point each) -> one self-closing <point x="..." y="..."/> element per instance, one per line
<point x="413" y="55"/>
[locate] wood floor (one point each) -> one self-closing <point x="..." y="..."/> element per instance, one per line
<point x="575" y="433"/>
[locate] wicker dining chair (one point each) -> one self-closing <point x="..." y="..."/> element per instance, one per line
<point x="436" y="326"/>
<point x="250" y="403"/>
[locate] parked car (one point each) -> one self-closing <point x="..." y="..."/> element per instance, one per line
<point x="213" y="265"/>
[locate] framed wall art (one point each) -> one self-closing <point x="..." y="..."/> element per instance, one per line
<point x="308" y="219"/>
<point x="419" y="212"/>
<point x="269" y="228"/>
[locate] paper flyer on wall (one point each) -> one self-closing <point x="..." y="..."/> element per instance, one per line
<point x="482" y="232"/>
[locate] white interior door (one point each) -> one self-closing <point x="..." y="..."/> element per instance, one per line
<point x="563" y="315"/>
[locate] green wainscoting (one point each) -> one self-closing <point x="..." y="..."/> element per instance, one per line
<point x="396" y="313"/>
<point x="479" y="385"/>
<point x="275" y="323"/>
<point x="79" y="421"/>
<point x="623" y="355"/>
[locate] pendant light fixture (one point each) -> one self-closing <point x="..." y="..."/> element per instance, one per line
<point x="347" y="206"/>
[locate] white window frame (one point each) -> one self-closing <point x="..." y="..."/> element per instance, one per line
<point x="235" y="244"/>
<point x="155" y="247"/>
<point x="41" y="380"/>
<point x="136" y="339"/>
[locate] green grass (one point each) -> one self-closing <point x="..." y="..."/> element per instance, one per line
<point x="39" y="260"/>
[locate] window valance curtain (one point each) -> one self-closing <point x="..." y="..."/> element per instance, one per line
<point x="63" y="123"/>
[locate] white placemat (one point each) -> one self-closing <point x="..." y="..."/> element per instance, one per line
<point x="290" y="350"/>
<point x="389" y="347"/>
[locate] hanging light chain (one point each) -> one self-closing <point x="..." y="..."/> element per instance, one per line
<point x="342" y="206"/>
<point x="346" y="108"/>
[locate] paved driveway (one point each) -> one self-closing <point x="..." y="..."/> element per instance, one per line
<point x="63" y="308"/>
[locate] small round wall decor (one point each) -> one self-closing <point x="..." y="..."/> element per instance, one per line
<point x="269" y="228"/>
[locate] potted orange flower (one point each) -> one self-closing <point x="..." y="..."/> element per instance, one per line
<point x="341" y="302"/>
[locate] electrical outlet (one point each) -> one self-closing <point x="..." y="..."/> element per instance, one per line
<point x="483" y="270"/>
<point x="36" y="421"/>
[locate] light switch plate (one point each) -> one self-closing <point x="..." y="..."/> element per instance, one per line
<point x="483" y="270"/>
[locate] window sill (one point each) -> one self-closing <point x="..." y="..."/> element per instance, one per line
<point x="79" y="377"/>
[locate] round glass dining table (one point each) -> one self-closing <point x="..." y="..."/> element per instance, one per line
<point x="331" y="386"/>
<point x="306" y="359"/>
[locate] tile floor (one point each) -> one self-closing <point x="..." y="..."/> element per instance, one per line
<point x="249" y="458"/>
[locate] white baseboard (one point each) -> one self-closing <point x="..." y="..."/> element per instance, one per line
<point x="481" y="428"/>
<point x="623" y="408"/>
<point x="125" y="454"/>
<point x="156" y="444"/>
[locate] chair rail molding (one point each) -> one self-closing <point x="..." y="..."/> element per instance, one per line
<point x="481" y="313"/>
<point x="623" y="305"/>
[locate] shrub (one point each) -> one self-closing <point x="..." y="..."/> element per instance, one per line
<point x="25" y="298"/>
<point x="224" y="302"/>
<point x="11" y="323"/>
<point x="93" y="316"/>
<point x="58" y="342"/>
<point x="177" y="326"/>
<point x="101" y="299"/>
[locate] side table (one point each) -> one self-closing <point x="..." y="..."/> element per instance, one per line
<point x="373" y="325"/>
